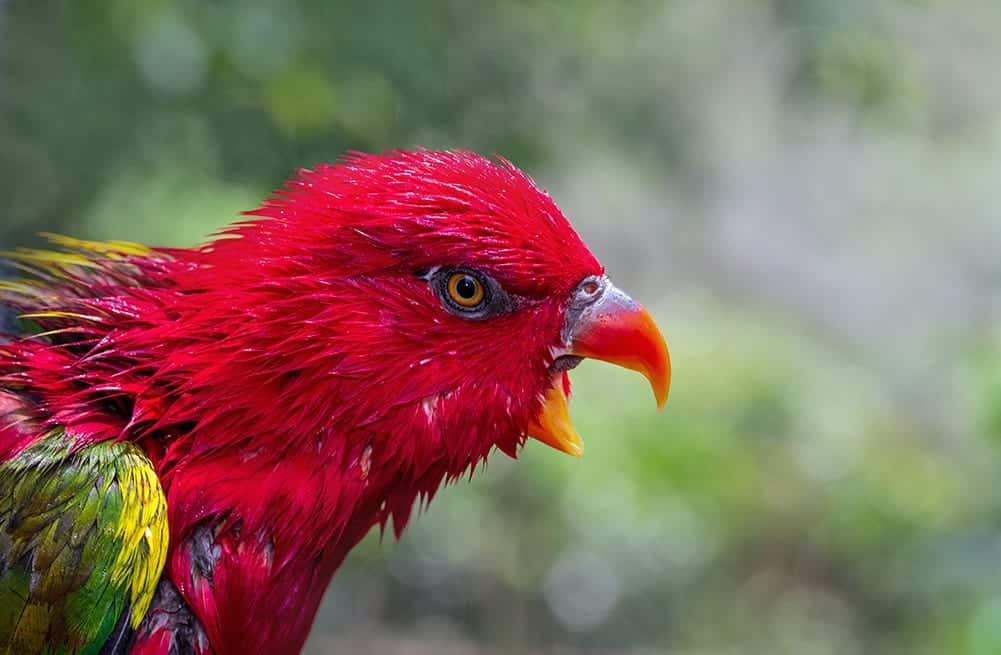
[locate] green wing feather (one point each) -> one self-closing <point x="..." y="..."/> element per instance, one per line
<point x="83" y="537"/>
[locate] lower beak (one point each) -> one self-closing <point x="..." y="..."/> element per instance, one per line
<point x="615" y="329"/>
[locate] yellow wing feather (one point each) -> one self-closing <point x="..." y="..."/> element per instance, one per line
<point x="144" y="534"/>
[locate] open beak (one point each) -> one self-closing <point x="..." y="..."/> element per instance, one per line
<point x="612" y="327"/>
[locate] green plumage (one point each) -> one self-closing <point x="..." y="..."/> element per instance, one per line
<point x="82" y="538"/>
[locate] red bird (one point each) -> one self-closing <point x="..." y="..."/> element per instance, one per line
<point x="191" y="440"/>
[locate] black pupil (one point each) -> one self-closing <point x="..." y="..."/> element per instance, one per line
<point x="466" y="288"/>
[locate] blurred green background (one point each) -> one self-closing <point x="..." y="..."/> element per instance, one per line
<point x="807" y="193"/>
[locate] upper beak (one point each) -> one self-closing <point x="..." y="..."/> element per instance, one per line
<point x="616" y="329"/>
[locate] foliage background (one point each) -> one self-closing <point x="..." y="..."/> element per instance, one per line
<point x="807" y="193"/>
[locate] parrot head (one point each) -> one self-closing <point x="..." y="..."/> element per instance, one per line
<point x="448" y="291"/>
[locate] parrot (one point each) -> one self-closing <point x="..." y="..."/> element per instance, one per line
<point x="193" y="439"/>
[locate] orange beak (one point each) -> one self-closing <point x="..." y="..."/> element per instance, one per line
<point x="612" y="328"/>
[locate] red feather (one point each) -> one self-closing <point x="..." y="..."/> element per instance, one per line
<point x="295" y="382"/>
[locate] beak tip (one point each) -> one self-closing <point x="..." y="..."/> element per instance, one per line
<point x="661" y="393"/>
<point x="659" y="378"/>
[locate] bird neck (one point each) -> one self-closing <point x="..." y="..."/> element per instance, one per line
<point x="255" y="544"/>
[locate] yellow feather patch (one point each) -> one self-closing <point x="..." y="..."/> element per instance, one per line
<point x="48" y="257"/>
<point x="143" y="530"/>
<point x="21" y="286"/>
<point x="76" y="254"/>
<point x="111" y="249"/>
<point x="82" y="317"/>
<point x="51" y="333"/>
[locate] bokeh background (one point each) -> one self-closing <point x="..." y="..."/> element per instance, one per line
<point x="807" y="193"/>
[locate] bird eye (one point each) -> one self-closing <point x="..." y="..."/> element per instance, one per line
<point x="469" y="293"/>
<point x="465" y="290"/>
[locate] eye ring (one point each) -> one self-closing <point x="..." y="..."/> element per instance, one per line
<point x="465" y="290"/>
